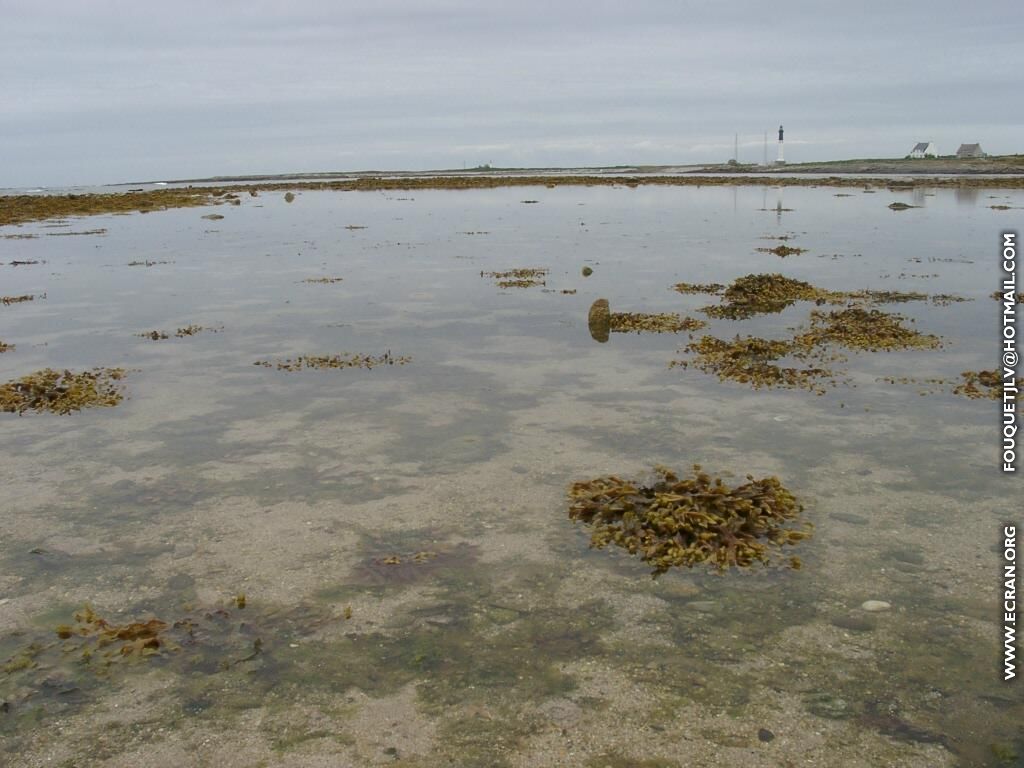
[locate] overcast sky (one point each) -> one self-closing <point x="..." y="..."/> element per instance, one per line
<point x="96" y="91"/>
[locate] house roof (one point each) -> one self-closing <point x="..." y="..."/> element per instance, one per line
<point x="968" y="147"/>
<point x="921" y="145"/>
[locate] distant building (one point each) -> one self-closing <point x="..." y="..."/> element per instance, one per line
<point x="924" y="149"/>
<point x="970" y="150"/>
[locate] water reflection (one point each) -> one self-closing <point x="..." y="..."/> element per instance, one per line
<point x="967" y="196"/>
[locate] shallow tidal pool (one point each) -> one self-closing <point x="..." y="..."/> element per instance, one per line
<point x="375" y="565"/>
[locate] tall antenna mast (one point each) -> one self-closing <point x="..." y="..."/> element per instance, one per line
<point x="736" y="150"/>
<point x="765" y="162"/>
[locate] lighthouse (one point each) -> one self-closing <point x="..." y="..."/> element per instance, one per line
<point x="781" y="160"/>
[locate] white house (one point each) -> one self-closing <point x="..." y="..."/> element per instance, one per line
<point x="924" y="149"/>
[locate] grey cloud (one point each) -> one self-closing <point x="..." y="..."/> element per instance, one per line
<point x="110" y="91"/>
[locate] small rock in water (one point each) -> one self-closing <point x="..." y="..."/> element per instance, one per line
<point x="875" y="606"/>
<point x="763" y="734"/>
<point x="599" y="320"/>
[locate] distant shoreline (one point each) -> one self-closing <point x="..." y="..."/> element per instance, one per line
<point x="24" y="208"/>
<point x="1002" y="164"/>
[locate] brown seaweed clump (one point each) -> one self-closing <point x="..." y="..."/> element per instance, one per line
<point x="713" y="288"/>
<point x="323" y="280"/>
<point x="181" y="333"/>
<point x="102" y="231"/>
<point x="5" y="347"/>
<point x="755" y="361"/>
<point x="665" y="322"/>
<point x="767" y="293"/>
<point x="324" y="362"/>
<point x="888" y="297"/>
<point x="60" y="392"/>
<point x="1001" y="296"/>
<point x="945" y="299"/>
<point x="674" y="522"/>
<point x="983" y="384"/>
<point x="8" y="300"/>
<point x="112" y="641"/>
<point x="783" y="250"/>
<point x="519" y="278"/>
<point x="864" y="329"/>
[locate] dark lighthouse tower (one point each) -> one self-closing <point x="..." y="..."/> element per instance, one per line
<point x="781" y="160"/>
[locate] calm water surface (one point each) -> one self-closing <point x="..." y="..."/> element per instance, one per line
<point x="507" y="641"/>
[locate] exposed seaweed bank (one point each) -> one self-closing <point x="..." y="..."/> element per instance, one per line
<point x="20" y="209"/>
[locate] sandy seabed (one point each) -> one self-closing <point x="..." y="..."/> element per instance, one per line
<point x="401" y="536"/>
